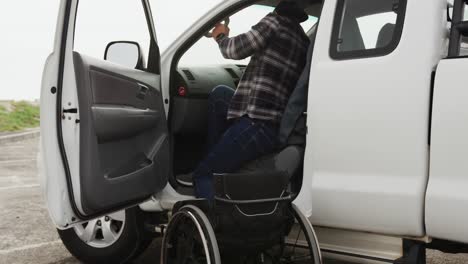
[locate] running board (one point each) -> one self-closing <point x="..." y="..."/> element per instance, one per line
<point x="358" y="247"/>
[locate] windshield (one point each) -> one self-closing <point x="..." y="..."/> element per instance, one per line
<point x="206" y="51"/>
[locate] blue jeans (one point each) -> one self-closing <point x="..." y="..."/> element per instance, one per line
<point x="231" y="143"/>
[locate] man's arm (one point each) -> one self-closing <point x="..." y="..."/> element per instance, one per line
<point x="245" y="45"/>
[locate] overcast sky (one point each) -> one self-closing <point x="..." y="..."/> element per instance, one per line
<point x="27" y="28"/>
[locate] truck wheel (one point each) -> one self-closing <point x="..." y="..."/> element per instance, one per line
<point x="115" y="238"/>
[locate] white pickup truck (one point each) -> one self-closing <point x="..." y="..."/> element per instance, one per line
<point x="384" y="174"/>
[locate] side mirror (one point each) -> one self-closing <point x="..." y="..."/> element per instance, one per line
<point x="125" y="53"/>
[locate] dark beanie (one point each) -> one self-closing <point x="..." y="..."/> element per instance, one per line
<point x="288" y="8"/>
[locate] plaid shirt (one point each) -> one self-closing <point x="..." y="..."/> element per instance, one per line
<point x="278" y="46"/>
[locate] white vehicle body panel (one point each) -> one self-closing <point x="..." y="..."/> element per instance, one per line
<point x="71" y="130"/>
<point x="367" y="156"/>
<point x="53" y="178"/>
<point x="447" y="195"/>
<point x="164" y="201"/>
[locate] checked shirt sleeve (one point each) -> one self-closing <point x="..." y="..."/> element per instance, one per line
<point x="247" y="44"/>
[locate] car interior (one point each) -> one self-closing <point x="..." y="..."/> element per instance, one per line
<point x="188" y="117"/>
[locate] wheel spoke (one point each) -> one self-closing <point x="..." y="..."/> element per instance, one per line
<point x="297" y="240"/>
<point x="119" y="216"/>
<point x="90" y="231"/>
<point x="108" y="233"/>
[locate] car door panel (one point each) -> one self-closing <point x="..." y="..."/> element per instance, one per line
<point x="122" y="131"/>
<point x="446" y="197"/>
<point x="367" y="148"/>
<point x="114" y="122"/>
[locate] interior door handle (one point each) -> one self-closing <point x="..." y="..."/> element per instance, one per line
<point x="142" y="91"/>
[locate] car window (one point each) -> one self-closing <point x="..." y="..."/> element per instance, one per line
<point x="170" y="27"/>
<point x="370" y="27"/>
<point x="206" y="51"/>
<point x="366" y="28"/>
<point x="97" y="25"/>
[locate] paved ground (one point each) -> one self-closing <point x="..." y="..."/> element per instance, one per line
<point x="26" y="234"/>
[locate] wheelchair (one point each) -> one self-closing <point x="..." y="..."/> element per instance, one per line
<point x="251" y="220"/>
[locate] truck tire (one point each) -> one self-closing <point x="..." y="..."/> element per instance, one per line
<point x="115" y="238"/>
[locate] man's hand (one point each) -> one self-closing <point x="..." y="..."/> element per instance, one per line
<point x="220" y="29"/>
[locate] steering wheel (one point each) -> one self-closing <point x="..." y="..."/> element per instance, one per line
<point x="226" y="23"/>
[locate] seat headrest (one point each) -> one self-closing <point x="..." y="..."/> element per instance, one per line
<point x="385" y="35"/>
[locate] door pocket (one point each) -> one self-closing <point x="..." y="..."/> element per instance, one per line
<point x="139" y="164"/>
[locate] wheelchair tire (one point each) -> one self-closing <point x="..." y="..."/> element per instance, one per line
<point x="189" y="238"/>
<point x="310" y="236"/>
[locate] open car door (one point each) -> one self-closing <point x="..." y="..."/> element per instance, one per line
<point x="104" y="133"/>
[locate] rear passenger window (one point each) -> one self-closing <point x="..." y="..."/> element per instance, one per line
<point x="367" y="28"/>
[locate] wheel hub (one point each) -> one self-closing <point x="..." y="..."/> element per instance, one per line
<point x="102" y="232"/>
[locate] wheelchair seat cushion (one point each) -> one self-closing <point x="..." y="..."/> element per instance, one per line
<point x="288" y="161"/>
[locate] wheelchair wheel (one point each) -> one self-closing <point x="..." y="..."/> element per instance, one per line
<point x="190" y="239"/>
<point x="300" y="246"/>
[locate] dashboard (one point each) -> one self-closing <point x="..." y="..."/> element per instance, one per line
<point x="190" y="92"/>
<point x="199" y="81"/>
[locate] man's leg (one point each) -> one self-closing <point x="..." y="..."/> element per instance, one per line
<point x="244" y="141"/>
<point x="218" y="106"/>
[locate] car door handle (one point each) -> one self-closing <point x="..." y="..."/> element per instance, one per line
<point x="142" y="91"/>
